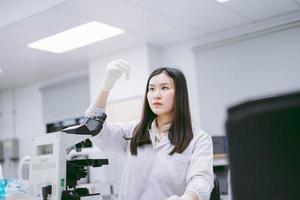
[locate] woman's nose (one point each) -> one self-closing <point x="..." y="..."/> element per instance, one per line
<point x="157" y="95"/>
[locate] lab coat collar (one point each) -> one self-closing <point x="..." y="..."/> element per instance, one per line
<point x="154" y="133"/>
<point x="165" y="127"/>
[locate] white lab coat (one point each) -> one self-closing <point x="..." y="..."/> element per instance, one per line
<point x="153" y="174"/>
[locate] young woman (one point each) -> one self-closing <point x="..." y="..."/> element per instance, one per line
<point x="167" y="159"/>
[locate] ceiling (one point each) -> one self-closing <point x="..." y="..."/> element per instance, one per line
<point x="159" y="22"/>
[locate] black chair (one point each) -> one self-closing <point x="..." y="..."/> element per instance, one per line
<point x="215" y="193"/>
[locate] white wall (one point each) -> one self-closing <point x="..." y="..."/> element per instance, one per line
<point x="22" y="119"/>
<point x="21" y="114"/>
<point x="6" y="113"/>
<point x="66" y="99"/>
<point x="249" y="68"/>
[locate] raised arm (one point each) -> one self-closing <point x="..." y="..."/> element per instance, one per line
<point x="112" y="134"/>
<point x="113" y="72"/>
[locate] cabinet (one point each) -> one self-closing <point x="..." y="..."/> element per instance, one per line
<point x="221" y="164"/>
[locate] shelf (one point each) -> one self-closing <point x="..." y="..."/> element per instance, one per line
<point x="220" y="160"/>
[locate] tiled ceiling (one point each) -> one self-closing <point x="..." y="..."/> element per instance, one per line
<point x="159" y="22"/>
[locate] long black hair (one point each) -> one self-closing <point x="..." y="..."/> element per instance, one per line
<point x="180" y="132"/>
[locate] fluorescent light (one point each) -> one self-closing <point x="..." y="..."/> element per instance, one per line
<point x="222" y="1"/>
<point x="76" y="37"/>
<point x="1" y="71"/>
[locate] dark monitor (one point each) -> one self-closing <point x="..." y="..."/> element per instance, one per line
<point x="264" y="148"/>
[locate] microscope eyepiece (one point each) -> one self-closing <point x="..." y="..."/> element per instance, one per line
<point x="90" y="126"/>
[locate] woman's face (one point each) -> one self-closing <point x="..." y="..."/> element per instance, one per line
<point x="161" y="95"/>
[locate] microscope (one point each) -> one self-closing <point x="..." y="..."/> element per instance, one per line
<point x="51" y="175"/>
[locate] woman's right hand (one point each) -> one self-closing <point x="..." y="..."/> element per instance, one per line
<point x="113" y="72"/>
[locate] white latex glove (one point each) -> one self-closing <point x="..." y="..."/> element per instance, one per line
<point x="183" y="197"/>
<point x="113" y="72"/>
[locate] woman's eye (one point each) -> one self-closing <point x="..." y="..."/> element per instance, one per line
<point x="151" y="89"/>
<point x="164" y="88"/>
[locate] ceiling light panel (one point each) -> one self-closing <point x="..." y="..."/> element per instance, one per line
<point x="76" y="37"/>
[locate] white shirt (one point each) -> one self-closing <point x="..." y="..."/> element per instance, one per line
<point x="153" y="174"/>
<point x="157" y="135"/>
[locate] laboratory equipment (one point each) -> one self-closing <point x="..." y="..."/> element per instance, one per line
<point x="52" y="176"/>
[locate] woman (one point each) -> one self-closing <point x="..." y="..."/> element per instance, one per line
<point x="166" y="158"/>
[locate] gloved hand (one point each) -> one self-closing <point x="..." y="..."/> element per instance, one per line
<point x="113" y="72"/>
<point x="183" y="197"/>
